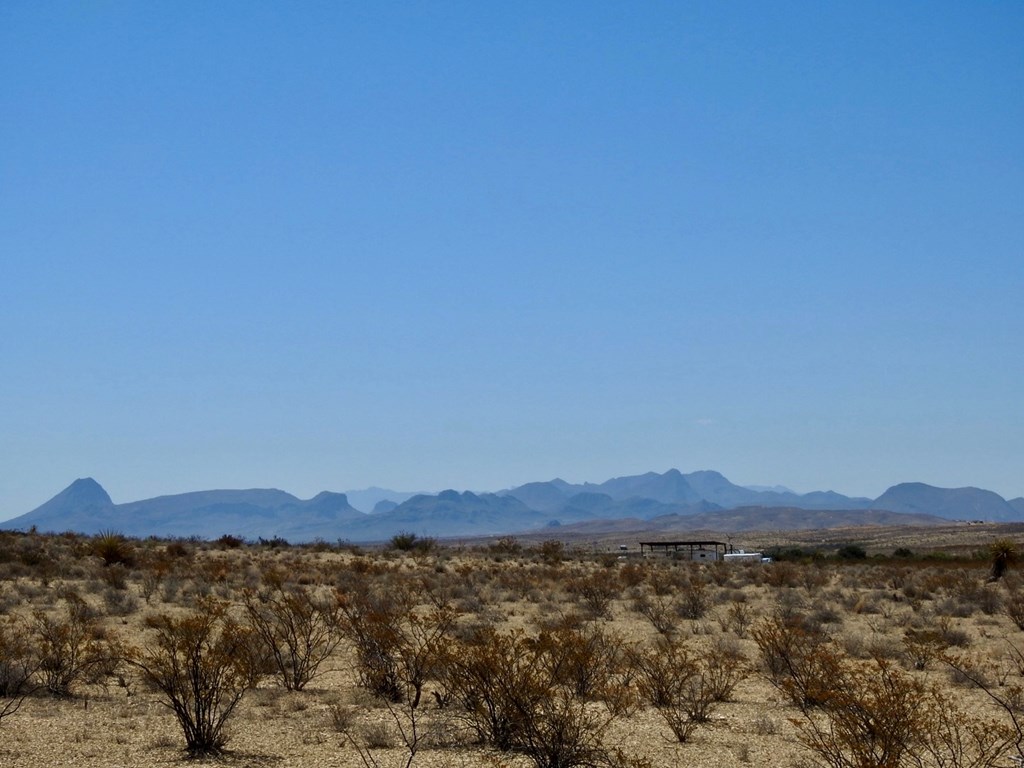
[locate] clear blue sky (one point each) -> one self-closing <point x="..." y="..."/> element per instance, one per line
<point x="327" y="245"/>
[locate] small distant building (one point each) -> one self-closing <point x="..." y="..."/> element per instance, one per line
<point x="697" y="551"/>
<point x="701" y="551"/>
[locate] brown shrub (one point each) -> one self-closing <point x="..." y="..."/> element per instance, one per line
<point x="202" y="664"/>
<point x="513" y="700"/>
<point x="72" y="649"/>
<point x="670" y="678"/>
<point x="798" y="660"/>
<point x="878" y="716"/>
<point x="298" y="629"/>
<point x="18" y="664"/>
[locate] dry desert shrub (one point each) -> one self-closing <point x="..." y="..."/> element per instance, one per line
<point x="1013" y="607"/>
<point x="584" y="657"/>
<point x="724" y="666"/>
<point x="596" y="591"/>
<point x="738" y="618"/>
<point x="551" y="552"/>
<point x="507" y="690"/>
<point x="694" y="597"/>
<point x="783" y="574"/>
<point x="398" y="650"/>
<point x="18" y="664"/>
<point x="299" y="630"/>
<point x="660" y="610"/>
<point x="201" y="664"/>
<point x="670" y="678"/>
<point x="876" y="716"/>
<point x="72" y="647"/>
<point x="372" y="624"/>
<point x="397" y="646"/>
<point x="507" y="545"/>
<point x="798" y="659"/>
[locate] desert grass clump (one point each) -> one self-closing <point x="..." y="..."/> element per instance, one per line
<point x="119" y="602"/>
<point x="201" y="664"/>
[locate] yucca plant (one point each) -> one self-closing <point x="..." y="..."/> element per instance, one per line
<point x="113" y="549"/>
<point x="1004" y="554"/>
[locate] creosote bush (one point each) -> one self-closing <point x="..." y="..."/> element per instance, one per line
<point x="298" y="629"/>
<point x="876" y="716"/>
<point x="508" y="688"/>
<point x="201" y="664"/>
<point x="18" y="664"/>
<point x="684" y="684"/>
<point x="71" y="647"/>
<point x="800" y="660"/>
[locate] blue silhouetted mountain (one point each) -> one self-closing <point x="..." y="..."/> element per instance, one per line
<point x="703" y="496"/>
<point x="77" y="508"/>
<point x="674" y="487"/>
<point x="668" y="488"/>
<point x="602" y="506"/>
<point x="544" y="497"/>
<point x="367" y="499"/>
<point x="771" y="488"/>
<point x="84" y="507"/>
<point x="951" y="503"/>
<point x="449" y="514"/>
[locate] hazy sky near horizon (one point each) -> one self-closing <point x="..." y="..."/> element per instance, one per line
<point x="328" y="245"/>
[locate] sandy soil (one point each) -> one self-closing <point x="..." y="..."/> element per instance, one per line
<point x="869" y="606"/>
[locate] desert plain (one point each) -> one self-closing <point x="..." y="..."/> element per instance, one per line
<point x="517" y="652"/>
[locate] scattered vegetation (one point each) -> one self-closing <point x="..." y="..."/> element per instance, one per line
<point x="520" y="653"/>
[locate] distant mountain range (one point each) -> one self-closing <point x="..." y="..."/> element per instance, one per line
<point x="704" y="499"/>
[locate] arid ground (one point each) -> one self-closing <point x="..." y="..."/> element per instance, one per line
<point x="516" y="652"/>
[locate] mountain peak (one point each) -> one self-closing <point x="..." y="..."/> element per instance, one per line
<point x="955" y="503"/>
<point x="85" y="490"/>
